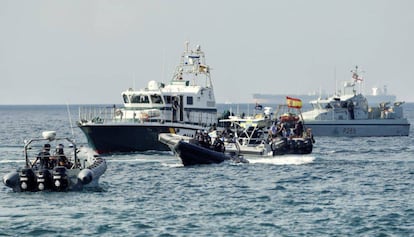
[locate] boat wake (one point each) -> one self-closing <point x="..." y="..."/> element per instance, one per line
<point x="172" y="165"/>
<point x="11" y="161"/>
<point x="158" y="157"/>
<point x="283" y="160"/>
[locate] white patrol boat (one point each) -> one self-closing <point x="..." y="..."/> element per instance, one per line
<point x="349" y="114"/>
<point x="183" y="106"/>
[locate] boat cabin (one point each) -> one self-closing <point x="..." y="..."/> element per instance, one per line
<point x="188" y="98"/>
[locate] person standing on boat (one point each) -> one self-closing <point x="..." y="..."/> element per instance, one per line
<point x="281" y="130"/>
<point x="298" y="129"/>
<point x="43" y="157"/>
<point x="273" y="130"/>
<point x="285" y="132"/>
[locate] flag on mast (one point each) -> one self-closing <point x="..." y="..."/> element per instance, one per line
<point x="293" y="102"/>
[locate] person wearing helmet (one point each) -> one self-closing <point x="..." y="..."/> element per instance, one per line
<point x="43" y="157"/>
<point x="62" y="160"/>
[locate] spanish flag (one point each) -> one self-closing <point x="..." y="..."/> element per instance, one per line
<point x="293" y="102"/>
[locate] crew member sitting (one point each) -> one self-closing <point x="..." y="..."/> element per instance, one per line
<point x="206" y="140"/>
<point x="218" y="145"/>
<point x="203" y="139"/>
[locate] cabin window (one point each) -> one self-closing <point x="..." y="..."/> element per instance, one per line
<point x="327" y="106"/>
<point x="189" y="100"/>
<point x="134" y="99"/>
<point x="167" y="99"/>
<point x="156" y="99"/>
<point x="126" y="99"/>
<point x="140" y="99"/>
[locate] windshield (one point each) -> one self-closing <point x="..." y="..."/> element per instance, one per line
<point x="139" y="99"/>
<point x="156" y="99"/>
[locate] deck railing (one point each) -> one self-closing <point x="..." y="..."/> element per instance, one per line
<point x="96" y="114"/>
<point x="108" y="114"/>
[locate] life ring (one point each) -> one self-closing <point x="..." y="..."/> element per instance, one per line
<point x="175" y="105"/>
<point x="289" y="117"/>
<point x="144" y="116"/>
<point x="258" y="116"/>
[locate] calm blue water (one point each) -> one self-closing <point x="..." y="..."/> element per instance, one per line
<point x="347" y="187"/>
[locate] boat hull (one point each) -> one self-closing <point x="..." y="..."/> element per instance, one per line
<point x="359" y="128"/>
<point x="114" y="138"/>
<point x="298" y="146"/>
<point x="192" y="154"/>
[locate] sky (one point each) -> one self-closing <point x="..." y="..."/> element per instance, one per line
<point x="88" y="52"/>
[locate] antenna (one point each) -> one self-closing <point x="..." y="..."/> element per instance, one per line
<point x="336" y="83"/>
<point x="70" y="120"/>
<point x="133" y="80"/>
<point x="164" y="59"/>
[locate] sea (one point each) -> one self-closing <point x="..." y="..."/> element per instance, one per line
<point x="346" y="187"/>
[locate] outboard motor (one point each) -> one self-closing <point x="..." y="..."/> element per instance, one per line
<point x="27" y="180"/>
<point x="44" y="179"/>
<point x="60" y="179"/>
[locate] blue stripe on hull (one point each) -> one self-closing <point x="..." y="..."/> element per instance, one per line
<point x="359" y="130"/>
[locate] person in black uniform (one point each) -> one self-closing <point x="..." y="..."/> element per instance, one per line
<point x="62" y="160"/>
<point x="44" y="158"/>
<point x="299" y="129"/>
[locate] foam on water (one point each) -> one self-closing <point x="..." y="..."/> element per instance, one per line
<point x="283" y="160"/>
<point x="172" y="165"/>
<point x="12" y="161"/>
